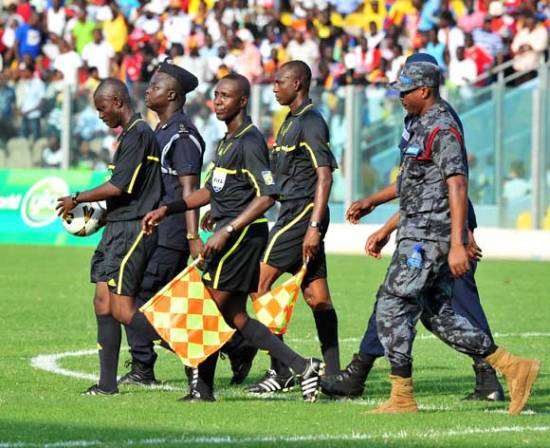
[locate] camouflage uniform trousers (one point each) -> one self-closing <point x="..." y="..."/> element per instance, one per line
<point x="410" y="293"/>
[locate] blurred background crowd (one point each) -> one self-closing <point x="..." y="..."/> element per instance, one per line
<point x="53" y="48"/>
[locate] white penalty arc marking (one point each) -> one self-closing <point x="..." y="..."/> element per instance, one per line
<point x="232" y="440"/>
<point x="50" y="363"/>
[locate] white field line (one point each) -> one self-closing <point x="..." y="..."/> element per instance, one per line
<point x="313" y="439"/>
<point x="50" y="363"/>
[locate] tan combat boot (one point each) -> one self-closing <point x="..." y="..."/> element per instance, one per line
<point x="401" y="398"/>
<point x="520" y="374"/>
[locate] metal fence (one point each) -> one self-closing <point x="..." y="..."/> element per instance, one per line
<point x="505" y="127"/>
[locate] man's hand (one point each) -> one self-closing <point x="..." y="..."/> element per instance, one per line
<point x="64" y="206"/>
<point x="196" y="248"/>
<point x="152" y="219"/>
<point x="207" y="222"/>
<point x="458" y="260"/>
<point x="474" y="251"/>
<point x="312" y="241"/>
<point x="216" y="242"/>
<point x="359" y="209"/>
<point x="376" y="242"/>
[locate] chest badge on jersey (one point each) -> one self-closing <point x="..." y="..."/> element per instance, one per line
<point x="218" y="180"/>
<point x="268" y="177"/>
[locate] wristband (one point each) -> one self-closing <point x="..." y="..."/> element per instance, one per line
<point x="176" y="207"/>
<point x="193" y="236"/>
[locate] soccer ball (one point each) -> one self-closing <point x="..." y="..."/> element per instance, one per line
<point x="85" y="219"/>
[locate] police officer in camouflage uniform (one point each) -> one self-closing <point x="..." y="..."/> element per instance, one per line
<point x="431" y="249"/>
<point x="350" y="382"/>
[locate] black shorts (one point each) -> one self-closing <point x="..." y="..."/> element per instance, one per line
<point x="163" y="266"/>
<point x="237" y="267"/>
<point x="286" y="238"/>
<point x="121" y="257"/>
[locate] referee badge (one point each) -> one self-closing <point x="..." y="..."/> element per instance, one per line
<point x="218" y="180"/>
<point x="268" y="177"/>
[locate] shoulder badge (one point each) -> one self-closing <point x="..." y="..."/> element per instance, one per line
<point x="182" y="129"/>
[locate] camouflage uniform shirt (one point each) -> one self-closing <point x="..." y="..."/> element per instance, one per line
<point x="422" y="188"/>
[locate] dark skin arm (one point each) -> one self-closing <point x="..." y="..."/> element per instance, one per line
<point x="377" y="241"/>
<point x="458" y="204"/>
<point x="366" y="205"/>
<point x="101" y="193"/>
<point x="189" y="184"/>
<point x="195" y="200"/>
<point x="254" y="210"/>
<point x="312" y="239"/>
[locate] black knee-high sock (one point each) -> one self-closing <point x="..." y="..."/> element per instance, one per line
<point x="260" y="336"/>
<point x="140" y="324"/>
<point x="326" y="322"/>
<point x="207" y="369"/>
<point x="277" y="365"/>
<point x="108" y="341"/>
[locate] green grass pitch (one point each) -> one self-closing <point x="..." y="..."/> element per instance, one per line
<point x="47" y="310"/>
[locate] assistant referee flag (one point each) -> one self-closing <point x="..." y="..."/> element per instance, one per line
<point x="186" y="317"/>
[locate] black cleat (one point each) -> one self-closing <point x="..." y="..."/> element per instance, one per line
<point x="241" y="354"/>
<point x="198" y="391"/>
<point x="487" y="387"/>
<point x="140" y="374"/>
<point x="96" y="390"/>
<point x="310" y="379"/>
<point x="349" y="382"/>
<point x="272" y="382"/>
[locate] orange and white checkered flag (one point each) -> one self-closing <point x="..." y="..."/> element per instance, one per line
<point x="186" y="317"/>
<point x="275" y="307"/>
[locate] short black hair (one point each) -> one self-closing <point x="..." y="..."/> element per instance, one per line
<point x="243" y="82"/>
<point x="300" y="70"/>
<point x="113" y="87"/>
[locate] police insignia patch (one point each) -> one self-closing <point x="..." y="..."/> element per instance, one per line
<point x="268" y="177"/>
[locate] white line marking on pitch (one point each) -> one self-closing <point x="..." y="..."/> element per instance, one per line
<point x="232" y="440"/>
<point x="49" y="363"/>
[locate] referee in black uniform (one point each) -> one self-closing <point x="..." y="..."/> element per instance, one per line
<point x="240" y="189"/>
<point x="182" y="149"/>
<point x="120" y="258"/>
<point x="302" y="164"/>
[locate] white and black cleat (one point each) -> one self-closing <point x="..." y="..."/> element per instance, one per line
<point x="272" y="382"/>
<point x="310" y="379"/>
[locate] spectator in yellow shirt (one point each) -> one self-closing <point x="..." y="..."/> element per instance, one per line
<point x="116" y="29"/>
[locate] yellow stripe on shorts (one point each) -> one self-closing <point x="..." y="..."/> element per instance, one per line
<point x="125" y="260"/>
<point x="284" y="229"/>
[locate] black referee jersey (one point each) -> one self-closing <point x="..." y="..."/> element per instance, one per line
<point x="136" y="171"/>
<point x="302" y="146"/>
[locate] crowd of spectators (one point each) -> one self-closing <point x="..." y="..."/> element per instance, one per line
<point x="46" y="45"/>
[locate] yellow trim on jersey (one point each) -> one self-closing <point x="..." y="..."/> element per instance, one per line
<point x="153" y="158"/>
<point x="283" y="130"/>
<point x="244" y="130"/>
<point x="254" y="182"/>
<point x="309" y="106"/>
<point x="125" y="260"/>
<point x="133" y="124"/>
<point x="259" y="220"/>
<point x="284" y="229"/>
<point x="229" y="252"/>
<point x="225" y="170"/>
<point x="311" y="153"/>
<point x="221" y="150"/>
<point x="209" y="170"/>
<point x="134" y="177"/>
